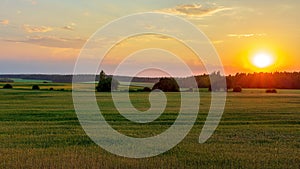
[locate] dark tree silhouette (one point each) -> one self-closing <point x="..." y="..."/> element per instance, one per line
<point x="146" y="89"/>
<point x="167" y="85"/>
<point x="237" y="89"/>
<point x="229" y="82"/>
<point x="7" y="86"/>
<point x="106" y="84"/>
<point x="271" y="91"/>
<point x="276" y="80"/>
<point x="35" y="87"/>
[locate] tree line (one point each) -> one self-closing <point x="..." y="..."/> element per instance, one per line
<point x="278" y="80"/>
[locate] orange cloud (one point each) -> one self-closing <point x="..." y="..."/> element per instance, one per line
<point x="68" y="27"/>
<point x="194" y="10"/>
<point x="33" y="29"/>
<point x="4" y="22"/>
<point x="51" y="41"/>
<point x="246" y="35"/>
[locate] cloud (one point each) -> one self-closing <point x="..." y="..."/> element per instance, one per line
<point x="68" y="27"/>
<point x="34" y="29"/>
<point x="194" y="10"/>
<point x="246" y="35"/>
<point x="217" y="42"/>
<point x="51" y="41"/>
<point x="4" y="22"/>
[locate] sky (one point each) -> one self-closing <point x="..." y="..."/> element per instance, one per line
<point x="47" y="36"/>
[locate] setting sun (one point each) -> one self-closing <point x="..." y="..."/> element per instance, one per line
<point x="262" y="60"/>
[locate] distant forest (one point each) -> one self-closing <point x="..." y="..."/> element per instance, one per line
<point x="277" y="80"/>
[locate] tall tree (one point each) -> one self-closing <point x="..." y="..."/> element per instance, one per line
<point x="106" y="84"/>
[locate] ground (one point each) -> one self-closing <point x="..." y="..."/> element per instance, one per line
<point x="39" y="129"/>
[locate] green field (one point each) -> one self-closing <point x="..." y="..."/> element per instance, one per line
<point x="39" y="129"/>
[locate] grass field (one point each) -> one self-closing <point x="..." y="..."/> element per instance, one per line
<point x="39" y="129"/>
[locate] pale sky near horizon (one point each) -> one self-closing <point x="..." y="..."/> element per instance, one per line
<point x="46" y="36"/>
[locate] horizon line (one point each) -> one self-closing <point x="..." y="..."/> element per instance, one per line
<point x="70" y="74"/>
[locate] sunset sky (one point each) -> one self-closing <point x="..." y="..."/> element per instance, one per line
<point x="46" y="36"/>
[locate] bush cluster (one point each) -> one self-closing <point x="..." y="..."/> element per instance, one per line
<point x="167" y="85"/>
<point x="237" y="89"/>
<point x="7" y="86"/>
<point x="35" y="87"/>
<point x="271" y="91"/>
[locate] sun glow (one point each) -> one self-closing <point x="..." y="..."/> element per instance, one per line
<point x="262" y="60"/>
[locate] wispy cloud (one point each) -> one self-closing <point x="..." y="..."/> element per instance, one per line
<point x="195" y="10"/>
<point x="246" y="35"/>
<point x="51" y="41"/>
<point x="217" y="42"/>
<point x="4" y="22"/>
<point x="33" y="29"/>
<point x="68" y="27"/>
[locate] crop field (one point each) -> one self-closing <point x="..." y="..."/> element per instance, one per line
<point x="40" y="129"/>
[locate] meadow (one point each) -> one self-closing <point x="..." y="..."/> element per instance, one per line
<point x="40" y="129"/>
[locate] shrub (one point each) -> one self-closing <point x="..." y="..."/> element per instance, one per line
<point x="35" y="87"/>
<point x="167" y="85"/>
<point x="146" y="89"/>
<point x="237" y="89"/>
<point x="51" y="89"/>
<point x="7" y="86"/>
<point x="271" y="91"/>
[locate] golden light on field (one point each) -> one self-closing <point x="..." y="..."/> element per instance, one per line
<point x="262" y="60"/>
